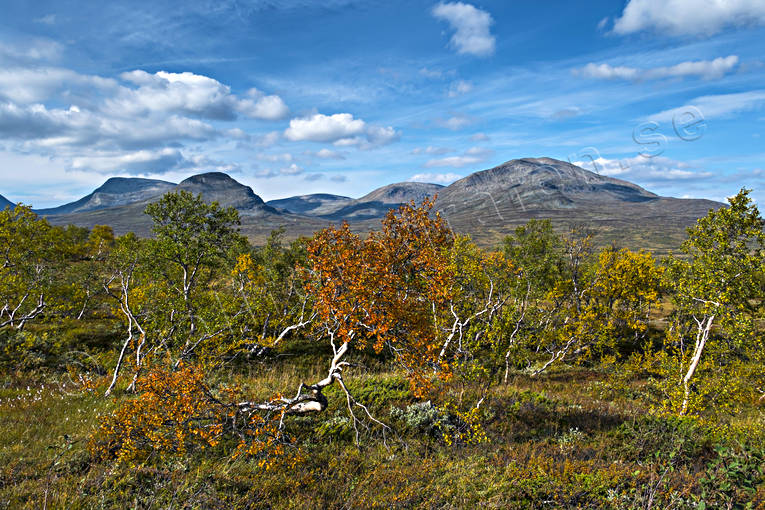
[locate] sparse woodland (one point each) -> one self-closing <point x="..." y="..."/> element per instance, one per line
<point x="406" y="368"/>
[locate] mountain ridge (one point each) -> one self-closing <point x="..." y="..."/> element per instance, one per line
<point x="115" y="192"/>
<point x="4" y="202"/>
<point x="487" y="205"/>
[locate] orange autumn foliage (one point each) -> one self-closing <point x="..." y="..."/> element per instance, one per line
<point x="176" y="412"/>
<point x="389" y="289"/>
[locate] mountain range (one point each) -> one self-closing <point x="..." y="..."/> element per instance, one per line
<point x="487" y="204"/>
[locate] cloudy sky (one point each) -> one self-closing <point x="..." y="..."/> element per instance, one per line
<point x="342" y="96"/>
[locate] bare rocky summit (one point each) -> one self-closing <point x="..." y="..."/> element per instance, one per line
<point x="221" y="188"/>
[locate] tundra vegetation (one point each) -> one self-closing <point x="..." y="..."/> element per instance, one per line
<point x="404" y="368"/>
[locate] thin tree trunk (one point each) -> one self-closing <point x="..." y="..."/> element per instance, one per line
<point x="704" y="327"/>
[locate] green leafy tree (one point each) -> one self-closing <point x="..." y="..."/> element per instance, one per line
<point x="30" y="254"/>
<point x="718" y="294"/>
<point x="269" y="287"/>
<point x="170" y="289"/>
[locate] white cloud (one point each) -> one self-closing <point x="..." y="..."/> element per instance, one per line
<point x="480" y="152"/>
<point x="263" y="107"/>
<point x="147" y="162"/>
<point x="480" y="137"/>
<point x="716" y="106"/>
<point x="190" y="94"/>
<point x="434" y="151"/>
<point x="471" y="27"/>
<point x="65" y="130"/>
<point x="348" y="142"/>
<point x="329" y="154"/>
<point x="158" y="161"/>
<point x="447" y="178"/>
<point x="31" y="50"/>
<point x="656" y="170"/>
<point x="293" y="169"/>
<point x="378" y="135"/>
<point x="273" y="158"/>
<point x="688" y="17"/>
<point x="342" y="129"/>
<point x="34" y="85"/>
<point x="455" y="123"/>
<point x="138" y="117"/>
<point x="324" y="128"/>
<point x="471" y="156"/>
<point x="453" y="161"/>
<point x="287" y="171"/>
<point x="459" y="88"/>
<point x="707" y="69"/>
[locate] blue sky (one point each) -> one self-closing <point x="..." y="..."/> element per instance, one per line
<point x="342" y="96"/>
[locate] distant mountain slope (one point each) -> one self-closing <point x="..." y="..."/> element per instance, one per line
<point x="114" y="192"/>
<point x="541" y="183"/>
<point x="317" y="204"/>
<point x="219" y="187"/>
<point x="402" y="192"/>
<point x="489" y="204"/>
<point x="213" y="186"/>
<point x="377" y="203"/>
<point x="4" y="202"/>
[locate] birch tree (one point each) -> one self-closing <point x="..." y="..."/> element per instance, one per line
<point x="718" y="295"/>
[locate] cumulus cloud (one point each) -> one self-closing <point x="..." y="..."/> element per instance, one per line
<point x="148" y="161"/>
<point x="287" y="171"/>
<point x="292" y="169"/>
<point x="156" y="161"/>
<point x="33" y="85"/>
<point x="324" y="128"/>
<point x="263" y="107"/>
<point x="138" y="122"/>
<point x="190" y="94"/>
<point x="715" y="106"/>
<point x="446" y="178"/>
<point x="328" y="154"/>
<point x="707" y="69"/>
<point x="688" y="17"/>
<point x="342" y="129"/>
<point x="472" y="35"/>
<point x="378" y="135"/>
<point x="62" y="130"/>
